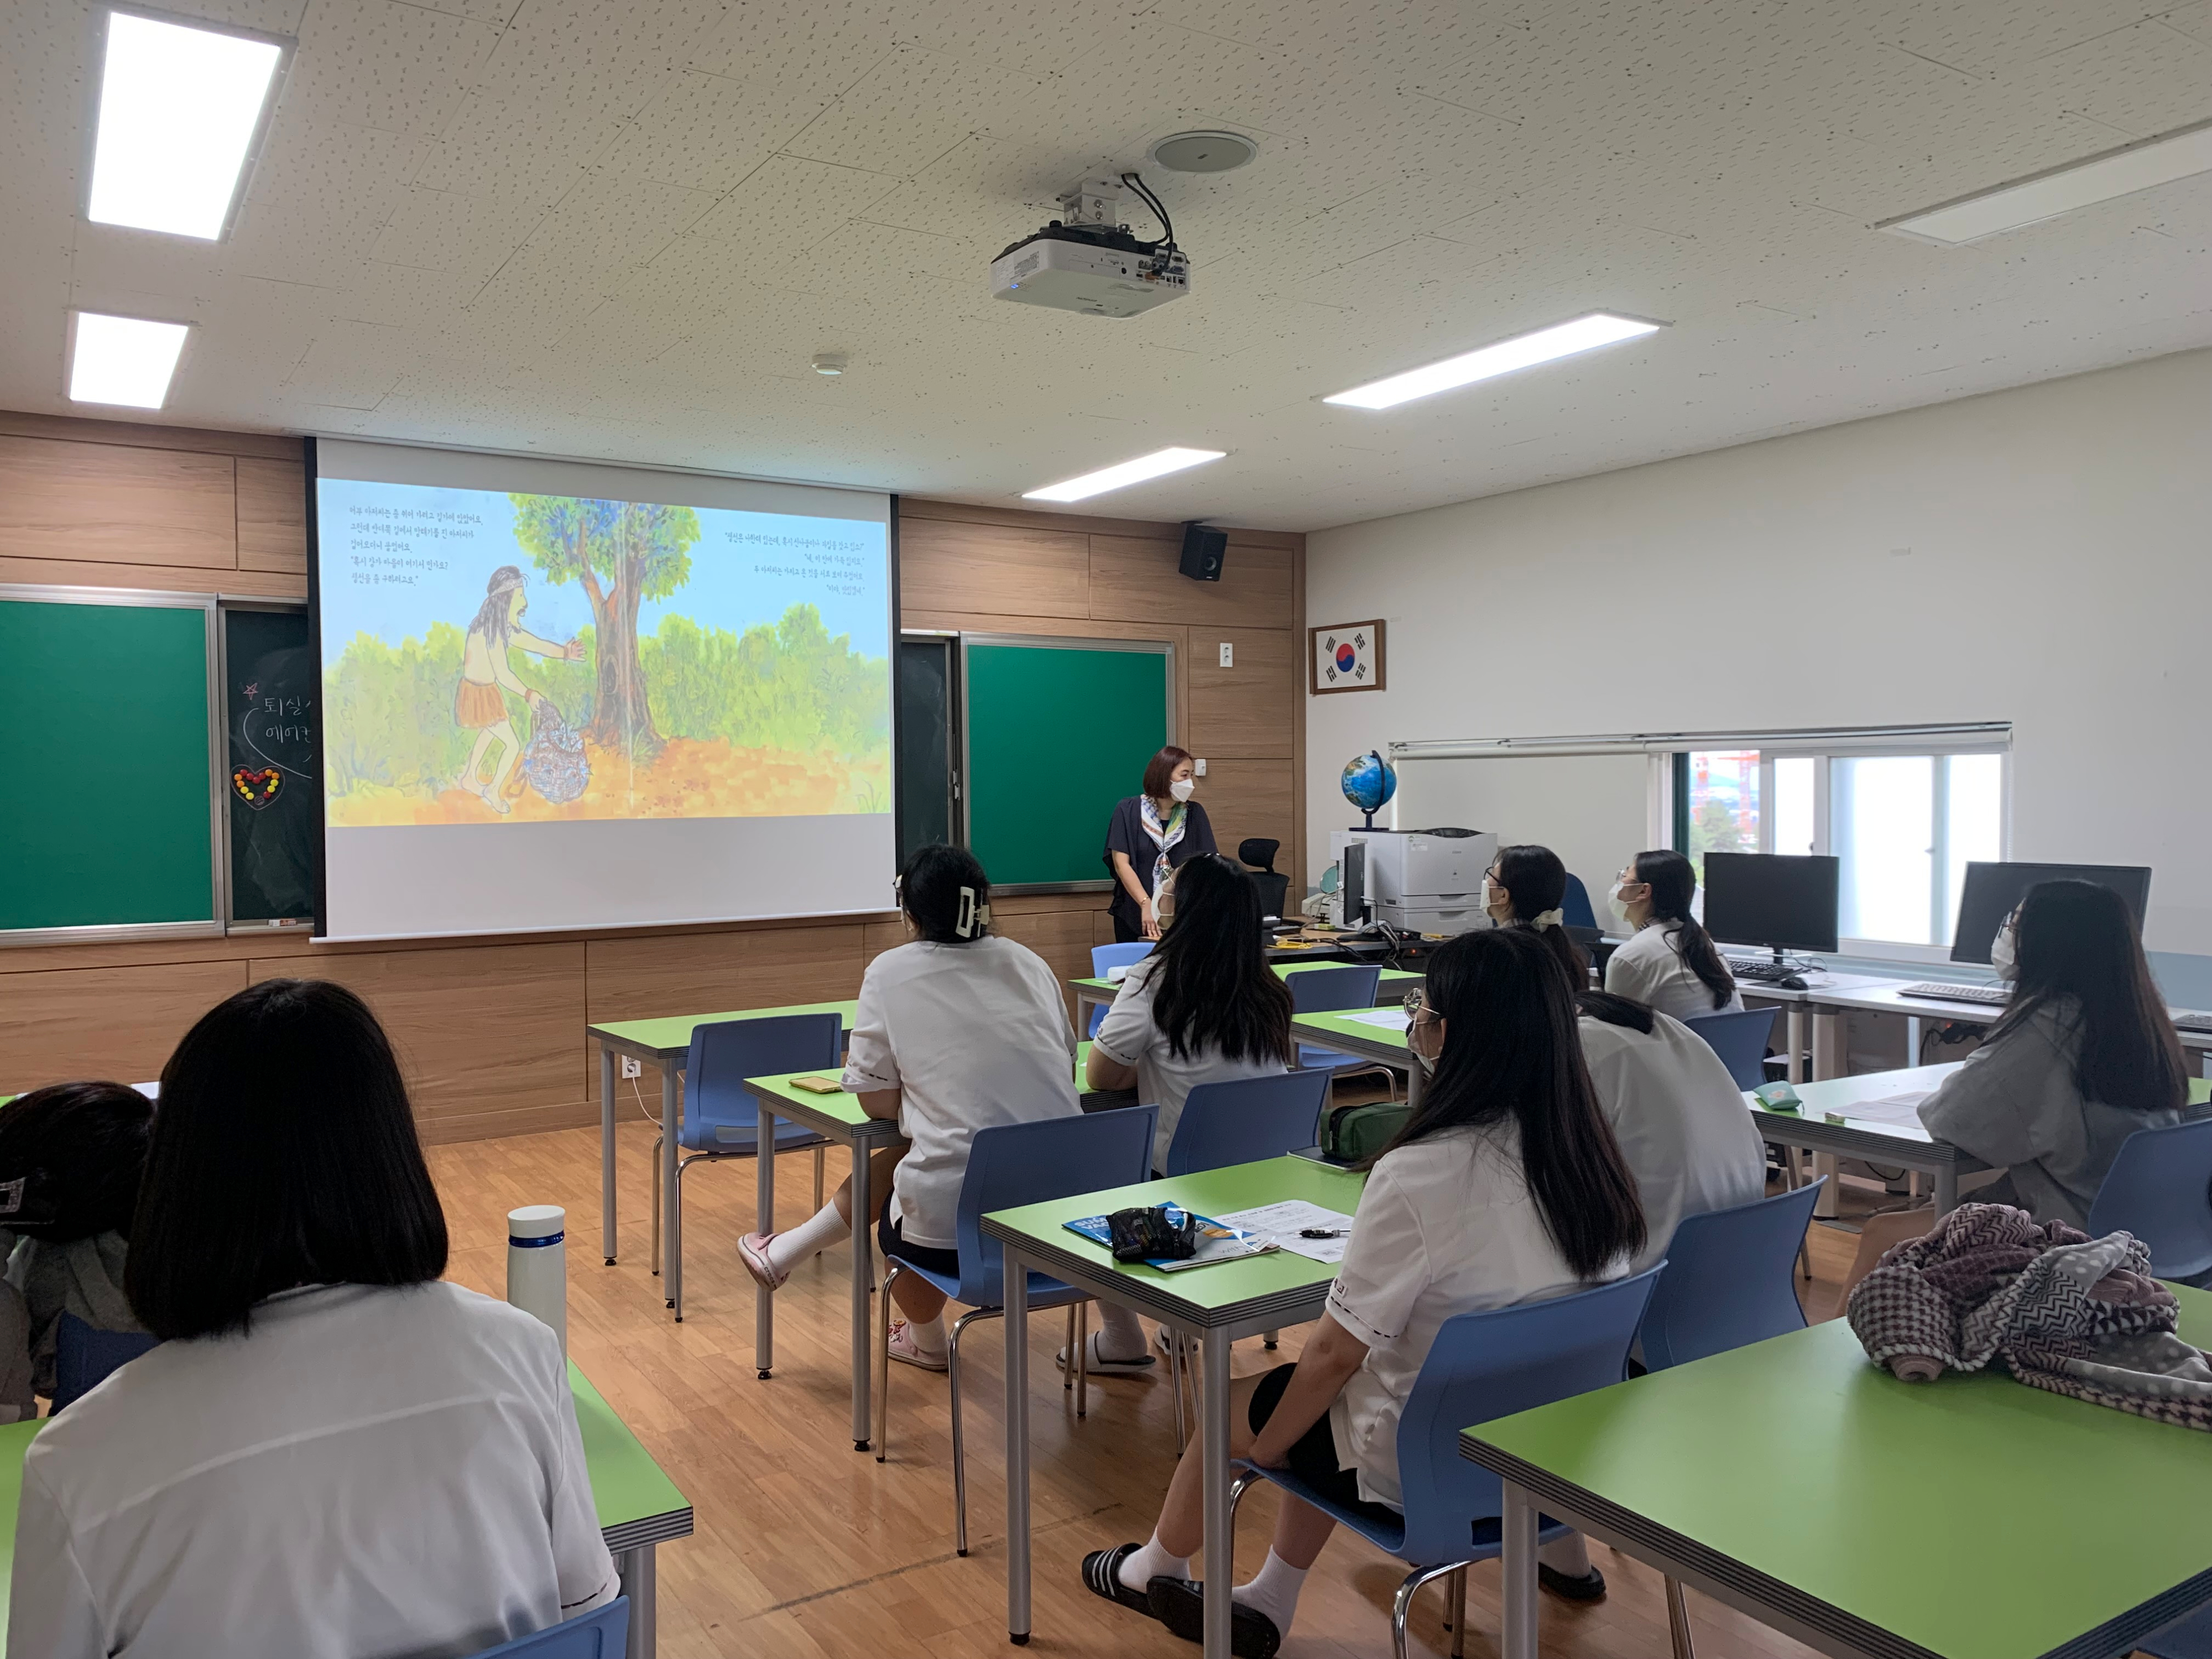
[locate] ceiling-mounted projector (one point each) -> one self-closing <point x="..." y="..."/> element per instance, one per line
<point x="1090" y="261"/>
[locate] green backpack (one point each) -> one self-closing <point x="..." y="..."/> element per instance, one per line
<point x="1349" y="1133"/>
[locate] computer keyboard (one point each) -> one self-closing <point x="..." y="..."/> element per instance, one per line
<point x="1762" y="973"/>
<point x="2193" y="1022"/>
<point x="1994" y="996"/>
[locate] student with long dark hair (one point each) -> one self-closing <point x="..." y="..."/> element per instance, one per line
<point x="957" y="1030"/>
<point x="1203" y="1007"/>
<point x="1526" y="886"/>
<point x="1505" y="1186"/>
<point x="1669" y="960"/>
<point x="331" y="1453"/>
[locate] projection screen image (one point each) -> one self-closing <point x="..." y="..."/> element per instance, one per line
<point x="557" y="694"/>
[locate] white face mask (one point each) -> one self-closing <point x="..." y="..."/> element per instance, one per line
<point x="1182" y="789"/>
<point x="1613" y="900"/>
<point x="2005" y="953"/>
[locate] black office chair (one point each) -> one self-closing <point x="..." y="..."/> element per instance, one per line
<point x="1257" y="853"/>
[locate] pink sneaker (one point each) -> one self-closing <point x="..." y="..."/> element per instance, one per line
<point x="752" y="1250"/>
<point x="907" y="1352"/>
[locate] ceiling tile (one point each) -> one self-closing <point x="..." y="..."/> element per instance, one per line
<point x="379" y="64"/>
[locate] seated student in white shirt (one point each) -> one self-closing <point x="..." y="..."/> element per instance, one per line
<point x="957" y="1031"/>
<point x="1669" y="961"/>
<point x="1505" y="1186"/>
<point x="1526" y="886"/>
<point x="1203" y="1007"/>
<point x="331" y="1453"/>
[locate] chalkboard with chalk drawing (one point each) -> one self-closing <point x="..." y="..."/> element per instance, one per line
<point x="271" y="779"/>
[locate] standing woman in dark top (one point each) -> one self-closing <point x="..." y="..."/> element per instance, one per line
<point x="1151" y="835"/>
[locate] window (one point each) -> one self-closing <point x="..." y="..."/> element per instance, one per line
<point x="1903" y="827"/>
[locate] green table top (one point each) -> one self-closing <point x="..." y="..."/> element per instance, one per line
<point x="671" y="1034"/>
<point x="1840" y="1094"/>
<point x="1038" y="1231"/>
<point x="1398" y="978"/>
<point x="1343" y="1026"/>
<point x="1973" y="1517"/>
<point x="834" y="1113"/>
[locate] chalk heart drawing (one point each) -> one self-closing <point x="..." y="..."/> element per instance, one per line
<point x="256" y="787"/>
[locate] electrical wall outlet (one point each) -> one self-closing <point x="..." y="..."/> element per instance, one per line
<point x="1198" y="767"/>
<point x="632" y="1068"/>
<point x="1228" y="654"/>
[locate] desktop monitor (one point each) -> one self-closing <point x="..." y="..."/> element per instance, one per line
<point x="1784" y="902"/>
<point x="1351" y="885"/>
<point x="1993" y="891"/>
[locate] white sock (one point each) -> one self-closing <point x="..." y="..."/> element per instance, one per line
<point x="1152" y="1561"/>
<point x="1120" y="1335"/>
<point x="930" y="1338"/>
<point x="818" y="1232"/>
<point x="1273" y="1590"/>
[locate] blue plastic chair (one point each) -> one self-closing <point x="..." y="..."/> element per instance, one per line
<point x="599" y="1634"/>
<point x="1332" y="990"/>
<point x="1008" y="1166"/>
<point x="2157" y="1190"/>
<point x="85" y="1356"/>
<point x="1575" y="908"/>
<point x="1483" y="1365"/>
<point x="1103" y="957"/>
<point x="720" y="1120"/>
<point x="2189" y="1639"/>
<point x="1740" y="1039"/>
<point x="1246" y="1119"/>
<point x="1729" y="1281"/>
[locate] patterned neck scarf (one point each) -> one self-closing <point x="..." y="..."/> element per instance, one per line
<point x="1164" y="836"/>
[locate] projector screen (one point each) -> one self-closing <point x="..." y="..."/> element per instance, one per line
<point x="558" y="695"/>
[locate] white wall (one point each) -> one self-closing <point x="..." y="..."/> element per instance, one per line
<point x="2042" y="556"/>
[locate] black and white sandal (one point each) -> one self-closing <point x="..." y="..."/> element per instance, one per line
<point x="1181" y="1606"/>
<point x="1101" y="1576"/>
<point x="1098" y="1365"/>
<point x="1572" y="1587"/>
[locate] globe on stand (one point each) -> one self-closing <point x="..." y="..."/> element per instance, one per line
<point x="1369" y="783"/>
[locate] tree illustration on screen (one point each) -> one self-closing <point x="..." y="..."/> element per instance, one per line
<point x="621" y="553"/>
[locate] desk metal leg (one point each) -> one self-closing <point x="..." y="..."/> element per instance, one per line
<point x="1947" y="1190"/>
<point x="607" y="1154"/>
<point x="863" y="1267"/>
<point x="671" y="1203"/>
<point x="1516" y="1637"/>
<point x="1213" y="1417"/>
<point x="1827" y="1062"/>
<point x="764" y="1222"/>
<point x="1794" y="1027"/>
<point x="1018" y="1449"/>
<point x="635" y="1568"/>
<point x="1912" y="1040"/>
<point x="1413" y="1082"/>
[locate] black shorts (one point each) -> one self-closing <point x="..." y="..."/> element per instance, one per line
<point x="1313" y="1455"/>
<point x="889" y="1240"/>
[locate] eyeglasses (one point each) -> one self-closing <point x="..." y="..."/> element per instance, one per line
<point x="1417" y="1003"/>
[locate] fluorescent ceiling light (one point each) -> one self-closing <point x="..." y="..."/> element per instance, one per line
<point x="1158" y="464"/>
<point x="2041" y="195"/>
<point x="1600" y="328"/>
<point x="124" y="360"/>
<point x="179" y="110"/>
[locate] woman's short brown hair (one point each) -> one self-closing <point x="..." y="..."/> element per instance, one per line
<point x="1161" y="772"/>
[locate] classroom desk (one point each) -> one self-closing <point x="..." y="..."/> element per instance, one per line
<point x="1350" y="1036"/>
<point x="1216" y="1304"/>
<point x="665" y="1042"/>
<point x="1965" y="1518"/>
<point x="838" y="1116"/>
<point x="1909" y="1147"/>
<point x="639" y="1506"/>
<point x="1090" y="992"/>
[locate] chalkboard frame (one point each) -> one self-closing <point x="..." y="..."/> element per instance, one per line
<point x="1162" y="648"/>
<point x="218" y="845"/>
<point x="226" y="603"/>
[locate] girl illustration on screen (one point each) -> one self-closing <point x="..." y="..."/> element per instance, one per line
<point x="487" y="674"/>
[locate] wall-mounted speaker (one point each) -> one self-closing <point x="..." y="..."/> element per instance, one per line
<point x="1203" y="551"/>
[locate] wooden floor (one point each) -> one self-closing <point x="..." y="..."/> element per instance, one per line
<point x="806" y="1548"/>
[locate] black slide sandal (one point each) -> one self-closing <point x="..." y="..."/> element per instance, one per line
<point x="1181" y="1606"/>
<point x="1584" y="1587"/>
<point x="1101" y="1576"/>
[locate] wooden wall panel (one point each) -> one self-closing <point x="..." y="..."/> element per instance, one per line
<point x="976" y="567"/>
<point x="272" y="516"/>
<point x="164" y="578"/>
<point x="1248" y="711"/>
<point x="1060" y="927"/>
<point x="1132" y="576"/>
<point x="1251" y="798"/>
<point x="111" y="504"/>
<point x="146" y="434"/>
<point x="117" y="1024"/>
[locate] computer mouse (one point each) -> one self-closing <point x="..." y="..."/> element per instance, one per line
<point x="1790" y="982"/>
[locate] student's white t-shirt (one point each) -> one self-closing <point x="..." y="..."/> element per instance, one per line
<point x="367" y="1471"/>
<point x="1446" y="1226"/>
<point x="973" y="1035"/>
<point x="1650" y="968"/>
<point x="1127" y="1036"/>
<point x="1680" y="1121"/>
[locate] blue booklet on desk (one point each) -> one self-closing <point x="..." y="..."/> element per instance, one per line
<point x="1217" y="1241"/>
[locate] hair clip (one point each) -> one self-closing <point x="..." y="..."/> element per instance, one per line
<point x="965" y="926"/>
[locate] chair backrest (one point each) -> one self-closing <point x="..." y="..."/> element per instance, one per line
<point x="1575" y="908"/>
<point x="1485" y="1365"/>
<point x="1741" y="1040"/>
<point x="1326" y="990"/>
<point x="599" y="1634"/>
<point x="725" y="1051"/>
<point x="1103" y="957"/>
<point x="1730" y="1279"/>
<point x="2157" y="1190"/>
<point x="85" y="1356"/>
<point x="1246" y="1119"/>
<point x="1019" y="1164"/>
<point x="1274" y="888"/>
<point x="1258" y="851"/>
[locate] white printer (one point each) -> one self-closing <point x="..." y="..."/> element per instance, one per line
<point x="1423" y="881"/>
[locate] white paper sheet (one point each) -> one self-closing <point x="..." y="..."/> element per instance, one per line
<point x="1278" y="1224"/>
<point x="1901" y="1110"/>
<point x="1391" y="1019"/>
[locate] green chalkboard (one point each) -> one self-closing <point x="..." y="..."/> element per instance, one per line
<point x="105" y="743"/>
<point x="1057" y="731"/>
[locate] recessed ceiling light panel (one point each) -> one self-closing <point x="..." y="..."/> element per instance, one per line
<point x="1600" y="328"/>
<point x="123" y="361"/>
<point x="1203" y="152"/>
<point x="2103" y="178"/>
<point x="180" y="109"/>
<point x="1158" y="464"/>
